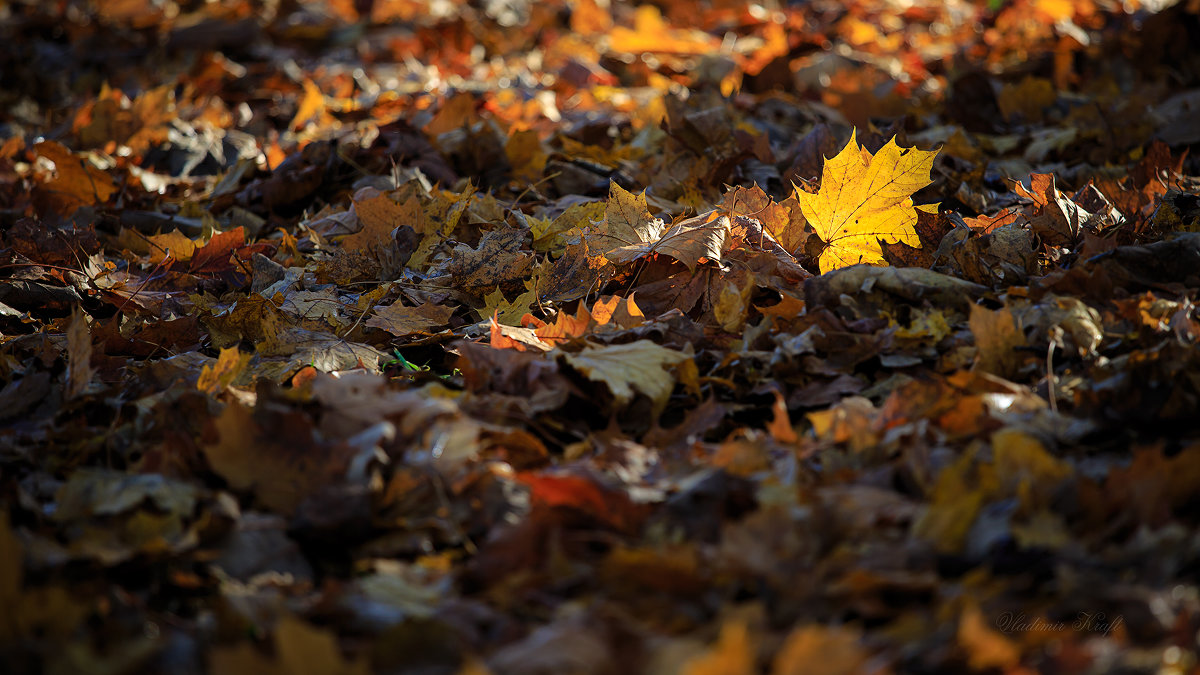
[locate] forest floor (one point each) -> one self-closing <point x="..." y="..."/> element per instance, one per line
<point x="510" y="337"/>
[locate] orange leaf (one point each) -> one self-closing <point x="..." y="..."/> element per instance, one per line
<point x="651" y="34"/>
<point x="582" y="494"/>
<point x="985" y="647"/>
<point x="818" y="650"/>
<point x="311" y="108"/>
<point x="77" y="182"/>
<point x="565" y="326"/>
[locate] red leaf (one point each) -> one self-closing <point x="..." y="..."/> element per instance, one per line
<point x="582" y="494"/>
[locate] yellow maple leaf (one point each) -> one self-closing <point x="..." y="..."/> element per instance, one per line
<point x="865" y="198"/>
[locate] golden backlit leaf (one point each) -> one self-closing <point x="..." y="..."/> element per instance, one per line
<point x="865" y="198"/>
<point x="311" y="108"/>
<point x="565" y="326"/>
<point x="786" y="309"/>
<point x="505" y="311"/>
<point x="554" y="235"/>
<point x="618" y="312"/>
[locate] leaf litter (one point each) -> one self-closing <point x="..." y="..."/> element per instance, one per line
<point x="406" y="337"/>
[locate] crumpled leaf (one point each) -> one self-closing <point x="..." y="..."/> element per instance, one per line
<point x="214" y="257"/>
<point x="703" y="238"/>
<point x="379" y="215"/>
<point x="865" y="198"/>
<point x="784" y="220"/>
<point x="627" y="222"/>
<point x="1057" y="219"/>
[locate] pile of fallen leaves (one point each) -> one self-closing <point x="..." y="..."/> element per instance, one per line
<point x="409" y="336"/>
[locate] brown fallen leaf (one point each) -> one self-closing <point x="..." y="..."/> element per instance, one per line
<point x="299" y="648"/>
<point x="820" y="650"/>
<point x="379" y="214"/>
<point x="783" y="220"/>
<point x="79" y="354"/>
<point x="215" y="257"/>
<point x="274" y="455"/>
<point x="403" y="321"/>
<point x="75" y="181"/>
<point x="733" y="654"/>
<point x="627" y="222"/>
<point x="985" y="648"/>
<point x="635" y="367"/>
<point x="501" y="258"/>
<point x="998" y="341"/>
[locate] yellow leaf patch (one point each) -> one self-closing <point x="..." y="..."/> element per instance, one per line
<point x="865" y="198"/>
